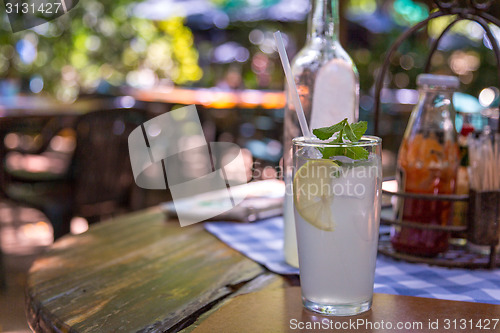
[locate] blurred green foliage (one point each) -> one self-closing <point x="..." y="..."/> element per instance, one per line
<point x="367" y="48"/>
<point x="462" y="53"/>
<point x="101" y="42"/>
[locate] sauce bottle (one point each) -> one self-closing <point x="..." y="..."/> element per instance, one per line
<point x="428" y="162"/>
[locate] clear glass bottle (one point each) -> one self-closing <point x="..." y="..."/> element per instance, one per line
<point x="328" y="85"/>
<point x="428" y="162"/>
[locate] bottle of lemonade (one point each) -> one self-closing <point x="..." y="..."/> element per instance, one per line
<point x="328" y="85"/>
<point x="428" y="162"/>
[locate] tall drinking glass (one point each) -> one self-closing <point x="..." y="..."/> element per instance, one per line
<point x="337" y="216"/>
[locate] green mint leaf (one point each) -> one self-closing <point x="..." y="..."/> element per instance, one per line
<point x="359" y="129"/>
<point x="328" y="152"/>
<point x="327" y="132"/>
<point x="356" y="153"/>
<point x="349" y="133"/>
<point x="339" y="137"/>
<point x="352" y="132"/>
<point x="333" y="151"/>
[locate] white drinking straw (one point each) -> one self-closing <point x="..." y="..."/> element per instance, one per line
<point x="291" y="84"/>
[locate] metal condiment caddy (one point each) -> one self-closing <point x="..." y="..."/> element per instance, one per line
<point x="483" y="207"/>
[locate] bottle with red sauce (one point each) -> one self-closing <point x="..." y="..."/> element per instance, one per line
<point x="428" y="162"/>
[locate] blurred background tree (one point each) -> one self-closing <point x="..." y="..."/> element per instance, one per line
<point x="98" y="47"/>
<point x="102" y="45"/>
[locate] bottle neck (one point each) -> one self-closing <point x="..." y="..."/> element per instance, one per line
<point x="323" y="20"/>
<point x="434" y="113"/>
<point x="436" y="95"/>
<point x="442" y="90"/>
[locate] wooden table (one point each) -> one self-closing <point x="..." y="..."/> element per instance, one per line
<point x="142" y="273"/>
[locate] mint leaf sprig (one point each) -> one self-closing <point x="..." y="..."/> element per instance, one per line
<point x="348" y="132"/>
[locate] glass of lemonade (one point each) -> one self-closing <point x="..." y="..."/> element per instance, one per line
<point x="337" y="215"/>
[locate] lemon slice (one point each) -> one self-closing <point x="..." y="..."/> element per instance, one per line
<point x="313" y="193"/>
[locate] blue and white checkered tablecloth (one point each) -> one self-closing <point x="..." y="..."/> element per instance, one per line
<point x="262" y="242"/>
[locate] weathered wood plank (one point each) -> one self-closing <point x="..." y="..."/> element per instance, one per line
<point x="266" y="281"/>
<point x="280" y="310"/>
<point x="134" y="273"/>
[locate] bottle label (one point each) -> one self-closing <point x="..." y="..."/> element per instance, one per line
<point x="334" y="96"/>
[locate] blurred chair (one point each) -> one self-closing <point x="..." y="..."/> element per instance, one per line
<point x="24" y="137"/>
<point x="99" y="179"/>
